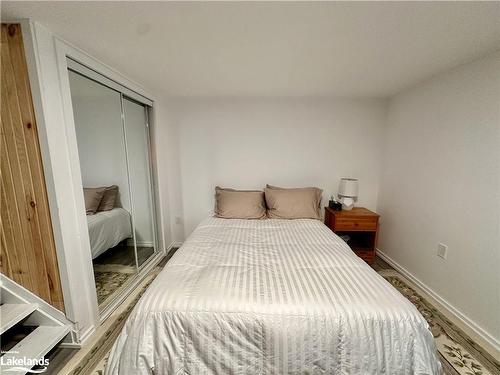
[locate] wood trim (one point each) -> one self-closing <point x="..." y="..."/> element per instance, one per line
<point x="28" y="253"/>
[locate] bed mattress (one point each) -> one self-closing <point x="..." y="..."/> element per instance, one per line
<point x="107" y="229"/>
<point x="271" y="297"/>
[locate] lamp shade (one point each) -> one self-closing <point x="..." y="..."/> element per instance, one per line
<point x="348" y="187"/>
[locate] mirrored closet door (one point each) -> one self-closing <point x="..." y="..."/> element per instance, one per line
<point x="137" y="141"/>
<point x="112" y="134"/>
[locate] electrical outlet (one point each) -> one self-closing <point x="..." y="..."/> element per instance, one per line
<point x="442" y="251"/>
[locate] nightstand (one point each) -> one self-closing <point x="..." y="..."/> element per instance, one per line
<point x="361" y="227"/>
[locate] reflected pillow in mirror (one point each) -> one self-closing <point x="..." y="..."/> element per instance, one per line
<point x="109" y="198"/>
<point x="93" y="197"/>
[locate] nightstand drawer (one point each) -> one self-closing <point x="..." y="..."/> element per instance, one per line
<point x="346" y="224"/>
<point x="360" y="226"/>
<point x="366" y="255"/>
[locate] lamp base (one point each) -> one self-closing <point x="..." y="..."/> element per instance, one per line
<point x="347" y="203"/>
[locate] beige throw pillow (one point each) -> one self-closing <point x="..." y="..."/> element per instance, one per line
<point x="318" y="191"/>
<point x="93" y="197"/>
<point x="109" y="198"/>
<point x="295" y="203"/>
<point x="239" y="204"/>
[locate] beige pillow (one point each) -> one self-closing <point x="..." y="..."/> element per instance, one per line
<point x="109" y="198"/>
<point x="295" y="203"/>
<point x="319" y="192"/>
<point x="93" y="197"/>
<point x="239" y="204"/>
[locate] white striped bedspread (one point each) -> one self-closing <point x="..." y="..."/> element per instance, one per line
<point x="271" y="297"/>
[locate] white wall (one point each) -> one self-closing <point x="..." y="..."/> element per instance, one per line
<point x="440" y="184"/>
<point x="166" y="142"/>
<point x="246" y="143"/>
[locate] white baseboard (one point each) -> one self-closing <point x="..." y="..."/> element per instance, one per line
<point x="485" y="339"/>
<point x="175" y="244"/>
<point x="80" y="340"/>
<point x="140" y="243"/>
<point x="68" y="345"/>
<point x="145" y="244"/>
<point x="86" y="334"/>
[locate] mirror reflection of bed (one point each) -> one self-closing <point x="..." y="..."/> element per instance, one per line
<point x="111" y="240"/>
<point x="113" y="149"/>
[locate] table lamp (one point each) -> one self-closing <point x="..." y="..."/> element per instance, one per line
<point x="348" y="191"/>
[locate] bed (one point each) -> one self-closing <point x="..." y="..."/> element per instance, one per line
<point x="271" y="297"/>
<point x="107" y="229"/>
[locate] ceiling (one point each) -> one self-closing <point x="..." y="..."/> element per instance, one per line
<point x="348" y="49"/>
